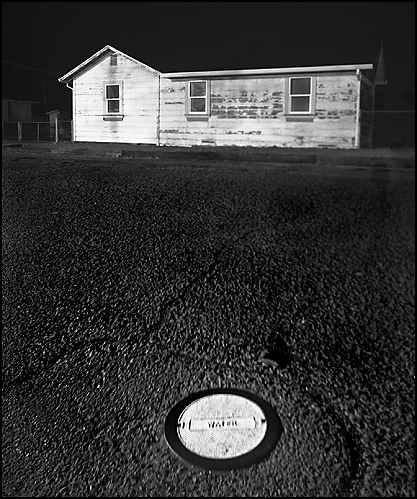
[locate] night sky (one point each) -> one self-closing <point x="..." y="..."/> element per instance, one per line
<point x="43" y="41"/>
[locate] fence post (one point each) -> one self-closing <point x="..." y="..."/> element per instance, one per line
<point x="56" y="128"/>
<point x="19" y="131"/>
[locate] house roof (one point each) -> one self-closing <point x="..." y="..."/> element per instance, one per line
<point x="101" y="54"/>
<point x="293" y="56"/>
<point x="21" y="101"/>
<point x="322" y="55"/>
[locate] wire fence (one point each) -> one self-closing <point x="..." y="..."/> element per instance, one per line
<point x="394" y="129"/>
<point x="37" y="131"/>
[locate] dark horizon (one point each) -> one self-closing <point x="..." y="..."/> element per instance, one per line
<point x="162" y="31"/>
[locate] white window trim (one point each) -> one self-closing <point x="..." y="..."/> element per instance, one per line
<point x="105" y="100"/>
<point x="206" y="97"/>
<point x="300" y="115"/>
<point x="310" y="95"/>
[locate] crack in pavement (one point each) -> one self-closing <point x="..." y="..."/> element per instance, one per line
<point x="101" y="343"/>
<point x="352" y="444"/>
<point x="129" y="339"/>
<point x="171" y="304"/>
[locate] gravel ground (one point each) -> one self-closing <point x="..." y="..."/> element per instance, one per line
<point x="128" y="285"/>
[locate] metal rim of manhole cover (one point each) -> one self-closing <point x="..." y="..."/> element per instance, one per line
<point x="222" y="429"/>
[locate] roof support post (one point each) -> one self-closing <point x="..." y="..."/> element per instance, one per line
<point x="358" y="112"/>
<point x="56" y="128"/>
<point x="158" y="113"/>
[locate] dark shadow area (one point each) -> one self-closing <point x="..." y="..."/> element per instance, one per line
<point x="276" y="353"/>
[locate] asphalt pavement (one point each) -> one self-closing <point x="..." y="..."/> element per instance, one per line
<point x="129" y="284"/>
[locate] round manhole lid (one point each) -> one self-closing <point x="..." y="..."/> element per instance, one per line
<point x="222" y="429"/>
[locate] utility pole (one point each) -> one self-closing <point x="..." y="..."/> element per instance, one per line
<point x="44" y="98"/>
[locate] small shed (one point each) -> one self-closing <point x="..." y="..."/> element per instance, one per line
<point x="59" y="115"/>
<point x="55" y="118"/>
<point x="16" y="110"/>
<point x="317" y="94"/>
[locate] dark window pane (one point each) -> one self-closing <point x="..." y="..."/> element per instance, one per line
<point x="300" y="86"/>
<point x="113" y="106"/>
<point x="112" y="91"/>
<point x="197" y="88"/>
<point x="300" y="104"/>
<point x="113" y="60"/>
<point x="198" y="105"/>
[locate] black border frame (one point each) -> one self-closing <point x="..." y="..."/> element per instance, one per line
<point x="274" y="430"/>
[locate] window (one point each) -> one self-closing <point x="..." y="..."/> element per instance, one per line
<point x="300" y="95"/>
<point x="197" y="94"/>
<point x="197" y="101"/>
<point x="113" y="60"/>
<point x="113" y="99"/>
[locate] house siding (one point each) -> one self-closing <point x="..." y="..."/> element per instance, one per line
<point x="251" y="111"/>
<point x="140" y="103"/>
<point x="367" y="96"/>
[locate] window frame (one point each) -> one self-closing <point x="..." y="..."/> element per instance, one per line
<point x="113" y="115"/>
<point x="312" y="97"/>
<point x="196" y="115"/>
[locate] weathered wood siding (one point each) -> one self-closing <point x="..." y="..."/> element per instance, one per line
<point x="367" y="95"/>
<point x="140" y="103"/>
<point x="251" y="112"/>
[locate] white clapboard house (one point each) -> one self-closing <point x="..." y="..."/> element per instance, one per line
<point x="317" y="94"/>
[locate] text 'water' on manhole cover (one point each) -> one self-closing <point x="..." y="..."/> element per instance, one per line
<point x="222" y="429"/>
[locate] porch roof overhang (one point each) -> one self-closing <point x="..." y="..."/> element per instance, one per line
<point x="268" y="71"/>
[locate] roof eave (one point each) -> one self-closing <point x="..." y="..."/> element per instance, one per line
<point x="269" y="71"/>
<point x="73" y="73"/>
<point x="22" y="101"/>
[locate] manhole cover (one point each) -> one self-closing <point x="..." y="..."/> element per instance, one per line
<point x="222" y="429"/>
